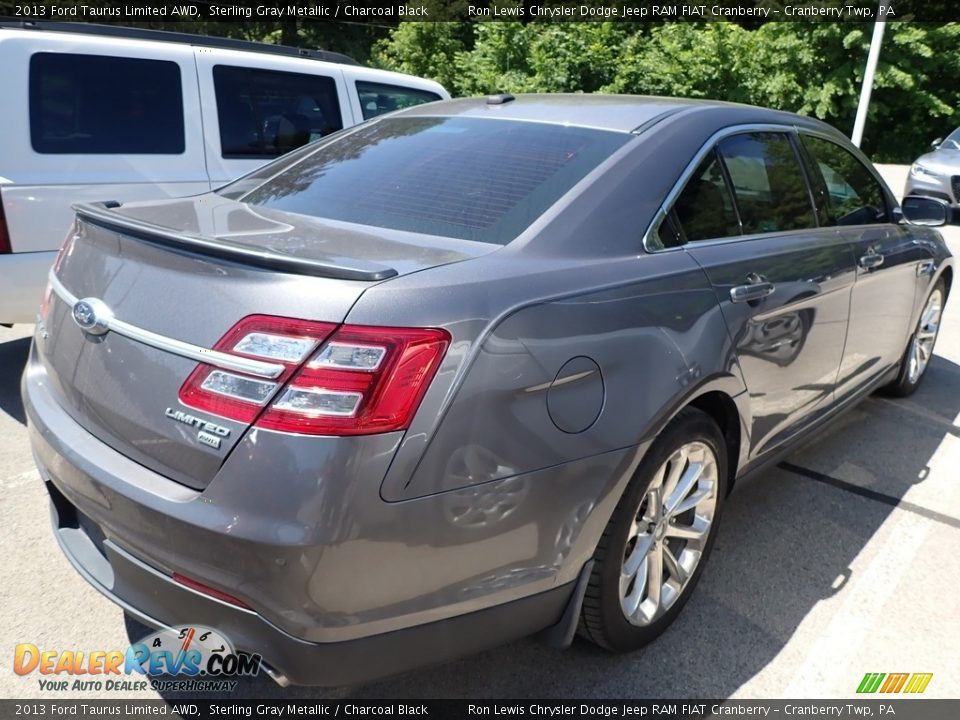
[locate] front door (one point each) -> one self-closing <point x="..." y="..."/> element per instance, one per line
<point x="886" y="256"/>
<point x="783" y="284"/>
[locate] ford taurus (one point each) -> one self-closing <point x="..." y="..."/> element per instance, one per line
<point x="466" y="372"/>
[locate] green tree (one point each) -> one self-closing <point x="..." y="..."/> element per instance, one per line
<point x="575" y="57"/>
<point x="428" y="49"/>
<point x="498" y="62"/>
<point x="916" y="95"/>
<point x="698" y="60"/>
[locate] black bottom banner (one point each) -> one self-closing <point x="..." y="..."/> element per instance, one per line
<point x="899" y="709"/>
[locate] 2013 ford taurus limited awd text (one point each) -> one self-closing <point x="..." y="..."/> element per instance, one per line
<point x="465" y="372"/>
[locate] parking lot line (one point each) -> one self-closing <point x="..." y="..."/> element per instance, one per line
<point x="871" y="494"/>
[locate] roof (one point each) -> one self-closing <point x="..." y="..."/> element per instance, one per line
<point x="619" y="113"/>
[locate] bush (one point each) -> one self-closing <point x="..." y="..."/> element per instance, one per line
<point x="810" y="68"/>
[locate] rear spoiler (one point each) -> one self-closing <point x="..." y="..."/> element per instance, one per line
<point x="343" y="269"/>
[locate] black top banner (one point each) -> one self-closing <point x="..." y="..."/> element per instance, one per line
<point x="393" y="11"/>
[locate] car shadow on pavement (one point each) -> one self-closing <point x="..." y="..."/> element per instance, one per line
<point x="785" y="543"/>
<point x="13" y="358"/>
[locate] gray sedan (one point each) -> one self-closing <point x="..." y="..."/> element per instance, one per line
<point x="937" y="174"/>
<point x="466" y="372"/>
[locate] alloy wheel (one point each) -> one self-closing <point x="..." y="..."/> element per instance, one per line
<point x="669" y="533"/>
<point x="921" y="348"/>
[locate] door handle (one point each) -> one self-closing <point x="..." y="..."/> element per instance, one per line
<point x="926" y="268"/>
<point x="870" y="261"/>
<point x="757" y="289"/>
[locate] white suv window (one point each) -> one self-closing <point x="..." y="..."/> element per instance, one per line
<point x="96" y="104"/>
<point x="266" y="113"/>
<point x="379" y="98"/>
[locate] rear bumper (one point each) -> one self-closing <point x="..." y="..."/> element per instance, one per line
<point x="151" y="596"/>
<point x="23" y="277"/>
<point x="344" y="586"/>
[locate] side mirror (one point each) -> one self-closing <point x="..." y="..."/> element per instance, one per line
<point x="928" y="211"/>
<point x="936" y="143"/>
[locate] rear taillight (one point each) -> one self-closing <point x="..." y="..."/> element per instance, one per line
<point x="45" y="303"/>
<point x="64" y="250"/>
<point x="241" y="397"/>
<point x="4" y="233"/>
<point x="358" y="380"/>
<point x="363" y="380"/>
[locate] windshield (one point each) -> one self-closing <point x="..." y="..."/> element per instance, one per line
<point x="475" y="179"/>
<point x="953" y="141"/>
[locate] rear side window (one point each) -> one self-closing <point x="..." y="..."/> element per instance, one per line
<point x="378" y="98"/>
<point x="704" y="208"/>
<point x="266" y="113"/>
<point x="853" y="196"/>
<point x="768" y="184"/>
<point x="95" y="104"/>
<point x="467" y="178"/>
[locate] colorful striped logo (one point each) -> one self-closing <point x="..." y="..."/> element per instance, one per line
<point x="894" y="682"/>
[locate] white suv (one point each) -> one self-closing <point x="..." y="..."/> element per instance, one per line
<point x="106" y="113"/>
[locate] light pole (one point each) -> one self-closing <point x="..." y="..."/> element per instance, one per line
<point x="874" y="55"/>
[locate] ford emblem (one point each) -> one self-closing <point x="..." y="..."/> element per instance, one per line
<point x="92" y="316"/>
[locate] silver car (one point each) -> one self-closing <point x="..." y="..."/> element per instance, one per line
<point x="466" y="372"/>
<point x="937" y="174"/>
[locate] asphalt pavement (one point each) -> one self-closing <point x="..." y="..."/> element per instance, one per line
<point x="843" y="560"/>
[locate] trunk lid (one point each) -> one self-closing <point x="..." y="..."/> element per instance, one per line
<point x="184" y="272"/>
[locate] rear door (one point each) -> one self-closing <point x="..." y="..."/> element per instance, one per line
<point x="782" y="281"/>
<point x="887" y="259"/>
<point x="258" y="107"/>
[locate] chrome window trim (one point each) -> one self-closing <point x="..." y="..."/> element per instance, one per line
<point x="200" y="354"/>
<point x="649" y="239"/>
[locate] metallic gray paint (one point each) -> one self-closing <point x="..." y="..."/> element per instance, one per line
<point x="942" y="165"/>
<point x="486" y="499"/>
<point x="105" y="322"/>
<point x="789" y="344"/>
<point x="294" y="555"/>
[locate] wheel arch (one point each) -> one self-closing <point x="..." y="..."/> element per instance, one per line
<point x="947" y="276"/>
<point x="722" y="409"/>
<point x="725" y="401"/>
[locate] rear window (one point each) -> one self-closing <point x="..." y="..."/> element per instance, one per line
<point x="95" y="104"/>
<point x="378" y="98"/>
<point x="467" y="178"/>
<point x="265" y="113"/>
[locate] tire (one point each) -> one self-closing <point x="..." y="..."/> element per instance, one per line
<point x="606" y="618"/>
<point x="919" y="352"/>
